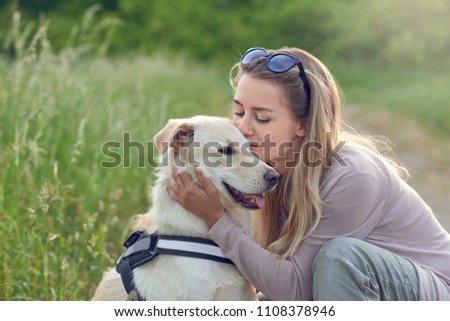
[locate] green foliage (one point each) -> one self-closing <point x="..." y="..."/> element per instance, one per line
<point x="220" y="29"/>
<point x="419" y="93"/>
<point x="63" y="216"/>
<point x="214" y="30"/>
<point x="401" y="33"/>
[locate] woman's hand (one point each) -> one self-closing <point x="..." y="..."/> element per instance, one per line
<point x="201" y="198"/>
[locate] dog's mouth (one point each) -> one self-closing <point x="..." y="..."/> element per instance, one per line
<point x="250" y="201"/>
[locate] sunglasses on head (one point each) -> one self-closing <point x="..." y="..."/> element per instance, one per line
<point x="277" y="63"/>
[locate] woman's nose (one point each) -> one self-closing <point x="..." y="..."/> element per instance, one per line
<point x="245" y="126"/>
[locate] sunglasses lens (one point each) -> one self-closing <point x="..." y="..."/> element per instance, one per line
<point x="281" y="63"/>
<point x="253" y="54"/>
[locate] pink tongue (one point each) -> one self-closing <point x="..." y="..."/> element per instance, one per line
<point x="259" y="199"/>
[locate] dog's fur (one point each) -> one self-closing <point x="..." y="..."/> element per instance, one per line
<point x="170" y="277"/>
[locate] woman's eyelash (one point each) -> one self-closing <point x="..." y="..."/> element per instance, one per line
<point x="259" y="120"/>
<point x="263" y="121"/>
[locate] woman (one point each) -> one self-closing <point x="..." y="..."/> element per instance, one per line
<point x="342" y="224"/>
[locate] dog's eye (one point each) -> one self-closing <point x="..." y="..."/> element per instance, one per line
<point x="227" y="150"/>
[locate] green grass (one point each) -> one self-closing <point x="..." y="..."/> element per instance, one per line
<point x="422" y="93"/>
<point x="63" y="216"/>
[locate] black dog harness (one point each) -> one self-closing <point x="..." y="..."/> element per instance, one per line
<point x="142" y="248"/>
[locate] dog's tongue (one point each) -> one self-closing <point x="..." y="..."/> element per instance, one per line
<point x="258" y="199"/>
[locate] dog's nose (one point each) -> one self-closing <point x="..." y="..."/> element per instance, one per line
<point x="271" y="177"/>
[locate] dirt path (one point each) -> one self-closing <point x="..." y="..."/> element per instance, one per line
<point x="426" y="155"/>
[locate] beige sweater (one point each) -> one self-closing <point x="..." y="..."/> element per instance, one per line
<point x="366" y="200"/>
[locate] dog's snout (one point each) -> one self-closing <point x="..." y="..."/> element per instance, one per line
<point x="271" y="177"/>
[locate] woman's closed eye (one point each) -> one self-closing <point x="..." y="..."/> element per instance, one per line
<point x="262" y="120"/>
<point x="258" y="118"/>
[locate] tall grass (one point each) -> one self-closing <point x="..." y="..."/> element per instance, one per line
<point x="63" y="216"/>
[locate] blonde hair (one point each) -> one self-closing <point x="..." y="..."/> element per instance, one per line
<point x="297" y="194"/>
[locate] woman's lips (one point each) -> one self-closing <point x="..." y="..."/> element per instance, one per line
<point x="254" y="147"/>
<point x="256" y="150"/>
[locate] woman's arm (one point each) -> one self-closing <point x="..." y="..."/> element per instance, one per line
<point x="348" y="211"/>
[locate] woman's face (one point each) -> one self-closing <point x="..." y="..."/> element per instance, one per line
<point x="262" y="115"/>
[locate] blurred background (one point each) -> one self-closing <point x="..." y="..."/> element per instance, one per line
<point x="77" y="74"/>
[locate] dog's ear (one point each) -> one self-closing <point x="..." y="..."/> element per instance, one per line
<point x="182" y="138"/>
<point x="162" y="138"/>
<point x="177" y="133"/>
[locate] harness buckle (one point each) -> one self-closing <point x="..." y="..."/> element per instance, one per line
<point x="132" y="239"/>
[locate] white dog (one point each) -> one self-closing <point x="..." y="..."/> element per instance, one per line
<point x="186" y="265"/>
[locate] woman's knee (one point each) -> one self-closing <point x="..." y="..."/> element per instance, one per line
<point x="340" y="246"/>
<point x="339" y="253"/>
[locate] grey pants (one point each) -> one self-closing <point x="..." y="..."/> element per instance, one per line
<point x="350" y="269"/>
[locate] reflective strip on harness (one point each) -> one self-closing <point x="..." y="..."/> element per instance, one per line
<point x="192" y="248"/>
<point x="189" y="247"/>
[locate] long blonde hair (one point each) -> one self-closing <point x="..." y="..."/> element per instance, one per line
<point x="297" y="195"/>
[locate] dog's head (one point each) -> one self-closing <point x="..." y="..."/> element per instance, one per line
<point x="219" y="149"/>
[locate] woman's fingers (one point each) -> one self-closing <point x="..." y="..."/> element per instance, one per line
<point x="182" y="186"/>
<point x="204" y="182"/>
<point x="197" y="195"/>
